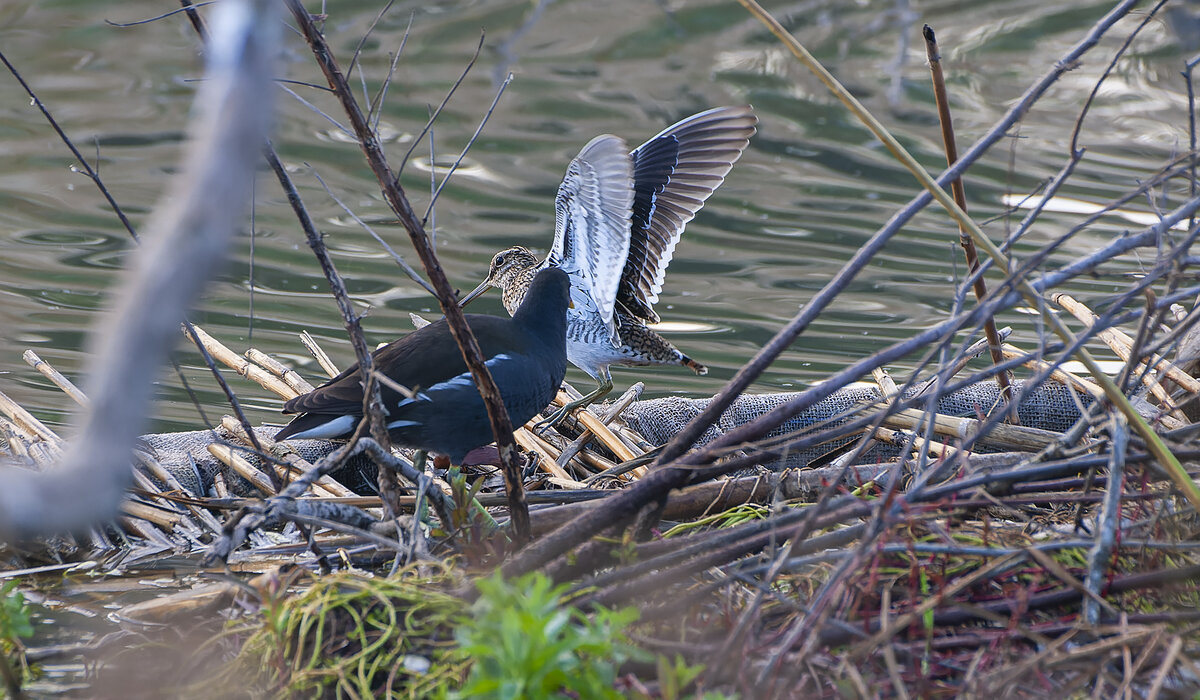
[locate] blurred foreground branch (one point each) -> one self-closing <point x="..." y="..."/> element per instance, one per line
<point x="187" y="237"/>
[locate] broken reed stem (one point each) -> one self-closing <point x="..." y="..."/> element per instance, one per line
<point x="290" y="377"/>
<point x="234" y="403"/>
<point x="1058" y="373"/>
<point x="611" y="414"/>
<point x="546" y="453"/>
<point x="900" y="439"/>
<point x="16" y="438"/>
<point x="47" y="371"/>
<point x="188" y="527"/>
<point x="230" y="458"/>
<point x="887" y="385"/>
<point x="599" y="464"/>
<point x="158" y="471"/>
<point x="394" y="194"/>
<point x="319" y="355"/>
<point x="589" y="421"/>
<point x="1122" y="345"/>
<point x="568" y="484"/>
<point x="239" y="364"/>
<point x="1003" y="377"/>
<point x="890" y="392"/>
<point x="219" y="486"/>
<point x="165" y="520"/>
<point x="290" y="465"/>
<point x="26" y="421"/>
<point x="143" y="529"/>
<point x="155" y="495"/>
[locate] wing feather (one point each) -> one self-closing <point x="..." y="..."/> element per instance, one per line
<point x="673" y="174"/>
<point x="592" y="215"/>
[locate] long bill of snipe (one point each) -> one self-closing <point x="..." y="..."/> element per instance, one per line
<point x="478" y="291"/>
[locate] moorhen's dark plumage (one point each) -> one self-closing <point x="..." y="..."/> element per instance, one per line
<point x="525" y="354"/>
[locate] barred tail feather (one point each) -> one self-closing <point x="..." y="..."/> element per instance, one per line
<point x="692" y="364"/>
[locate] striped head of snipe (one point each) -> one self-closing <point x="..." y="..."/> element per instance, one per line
<point x="512" y="272"/>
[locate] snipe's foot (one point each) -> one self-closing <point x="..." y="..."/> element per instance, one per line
<point x="583" y="402"/>
<point x="555" y="418"/>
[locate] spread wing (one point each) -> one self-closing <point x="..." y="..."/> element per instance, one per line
<point x="673" y="173"/>
<point x="592" y="212"/>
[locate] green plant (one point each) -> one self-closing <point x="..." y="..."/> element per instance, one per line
<point x="15" y="619"/>
<point x="525" y="642"/>
<point x="675" y="676"/>
<point x="15" y="623"/>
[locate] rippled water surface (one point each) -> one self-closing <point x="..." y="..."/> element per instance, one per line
<point x="812" y="187"/>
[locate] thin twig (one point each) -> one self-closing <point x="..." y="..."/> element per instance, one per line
<point x="398" y="201"/>
<point x="91" y="173"/>
<point x="190" y="8"/>
<point x="376" y="108"/>
<point x="1003" y="378"/>
<point x="1189" y="67"/>
<point x="408" y="269"/>
<point x="470" y="142"/>
<point x="1147" y="18"/>
<point x="362" y="41"/>
<point x="1100" y="556"/>
<point x="437" y="112"/>
<point x="317" y="110"/>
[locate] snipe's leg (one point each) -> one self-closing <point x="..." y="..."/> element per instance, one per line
<point x="605" y="386"/>
<point x="422" y="513"/>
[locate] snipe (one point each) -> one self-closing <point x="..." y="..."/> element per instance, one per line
<point x="619" y="216"/>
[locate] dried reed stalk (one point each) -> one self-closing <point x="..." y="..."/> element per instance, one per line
<point x="1003" y="377"/>
<point x="47" y="371"/>
<point x="293" y="464"/>
<point x="1122" y="345"/>
<point x="26" y="421"/>
<point x="319" y="354"/>
<point x="546" y="452"/>
<point x="266" y="379"/>
<point x="298" y="384"/>
<point x="592" y="423"/>
<point x="230" y="458"/>
<point x="1005" y="437"/>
